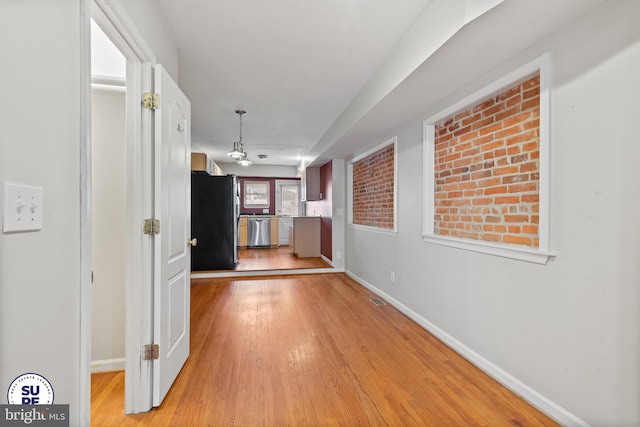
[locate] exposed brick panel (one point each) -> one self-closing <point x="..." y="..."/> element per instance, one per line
<point x="487" y="168"/>
<point x="373" y="189"/>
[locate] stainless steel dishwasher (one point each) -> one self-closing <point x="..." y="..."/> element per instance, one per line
<point x="259" y="232"/>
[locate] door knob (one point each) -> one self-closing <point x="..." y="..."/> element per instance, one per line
<point x="192" y="242"/>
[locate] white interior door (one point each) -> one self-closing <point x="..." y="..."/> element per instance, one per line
<point x="172" y="260"/>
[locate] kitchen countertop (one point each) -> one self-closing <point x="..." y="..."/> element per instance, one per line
<point x="283" y="216"/>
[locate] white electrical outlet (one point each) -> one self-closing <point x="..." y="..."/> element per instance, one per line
<point x="338" y="255"/>
<point x="22" y="208"/>
<point x="392" y="276"/>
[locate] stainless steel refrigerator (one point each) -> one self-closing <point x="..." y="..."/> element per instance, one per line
<point x="215" y="212"/>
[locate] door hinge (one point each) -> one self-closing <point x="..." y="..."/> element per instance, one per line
<point x="151" y="352"/>
<point x="151" y="100"/>
<point x="152" y="226"/>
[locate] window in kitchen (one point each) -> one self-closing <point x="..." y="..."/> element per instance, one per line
<point x="256" y="194"/>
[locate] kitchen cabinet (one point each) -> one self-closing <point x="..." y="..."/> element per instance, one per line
<point x="243" y="232"/>
<point x="310" y="180"/>
<point x="200" y="162"/>
<point x="292" y="238"/>
<point x="275" y="240"/>
<point x="285" y="223"/>
<point x="305" y="236"/>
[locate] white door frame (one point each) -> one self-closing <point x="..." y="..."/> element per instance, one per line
<point x="139" y="273"/>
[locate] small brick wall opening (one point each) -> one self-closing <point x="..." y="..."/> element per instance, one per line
<point x="374" y="189"/>
<point x="487" y="168"/>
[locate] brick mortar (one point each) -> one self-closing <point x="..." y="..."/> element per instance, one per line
<point x="487" y="168"/>
<point x="373" y="189"/>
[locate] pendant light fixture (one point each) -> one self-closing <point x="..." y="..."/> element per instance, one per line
<point x="238" y="150"/>
<point x="244" y="161"/>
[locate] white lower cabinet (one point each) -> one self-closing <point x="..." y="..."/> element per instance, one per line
<point x="285" y="223"/>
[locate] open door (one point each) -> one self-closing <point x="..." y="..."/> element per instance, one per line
<point x="172" y="191"/>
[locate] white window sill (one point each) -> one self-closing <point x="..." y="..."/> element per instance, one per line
<point x="385" y="231"/>
<point x="521" y="253"/>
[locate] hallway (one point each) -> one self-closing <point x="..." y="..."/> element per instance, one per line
<point x="314" y="350"/>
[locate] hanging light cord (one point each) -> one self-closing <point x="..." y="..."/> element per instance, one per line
<point x="244" y="160"/>
<point x="240" y="113"/>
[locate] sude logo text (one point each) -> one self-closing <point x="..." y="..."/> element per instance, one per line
<point x="30" y="402"/>
<point x="30" y="395"/>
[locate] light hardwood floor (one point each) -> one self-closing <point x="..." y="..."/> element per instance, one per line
<point x="309" y="350"/>
<point x="279" y="258"/>
<point x="267" y="259"/>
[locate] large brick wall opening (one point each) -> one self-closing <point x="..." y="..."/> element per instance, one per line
<point x="374" y="189"/>
<point x="486" y="168"/>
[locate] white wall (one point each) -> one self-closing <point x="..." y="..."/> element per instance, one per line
<point x="437" y="24"/>
<point x="40" y="144"/>
<point x="109" y="190"/>
<point x="339" y="209"/>
<point x="269" y="171"/>
<point x="570" y="330"/>
<point x="148" y="20"/>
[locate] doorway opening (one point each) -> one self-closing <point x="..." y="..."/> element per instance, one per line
<point x="157" y="292"/>
<point x="136" y="199"/>
<point x="277" y="203"/>
<point x="279" y="256"/>
<point x="109" y="204"/>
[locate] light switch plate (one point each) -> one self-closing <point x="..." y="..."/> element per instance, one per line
<point x="22" y="208"/>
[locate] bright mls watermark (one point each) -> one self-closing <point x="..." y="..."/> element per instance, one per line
<point x="35" y="415"/>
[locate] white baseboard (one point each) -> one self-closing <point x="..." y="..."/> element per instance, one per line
<point x="542" y="403"/>
<point x="107" y="365"/>
<point x="327" y="260"/>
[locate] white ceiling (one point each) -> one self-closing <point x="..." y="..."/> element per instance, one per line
<point x="293" y="65"/>
<point x="474" y="51"/>
<point x="321" y="78"/>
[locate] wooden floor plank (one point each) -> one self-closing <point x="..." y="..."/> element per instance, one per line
<point x="313" y="350"/>
<point x="268" y="259"/>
